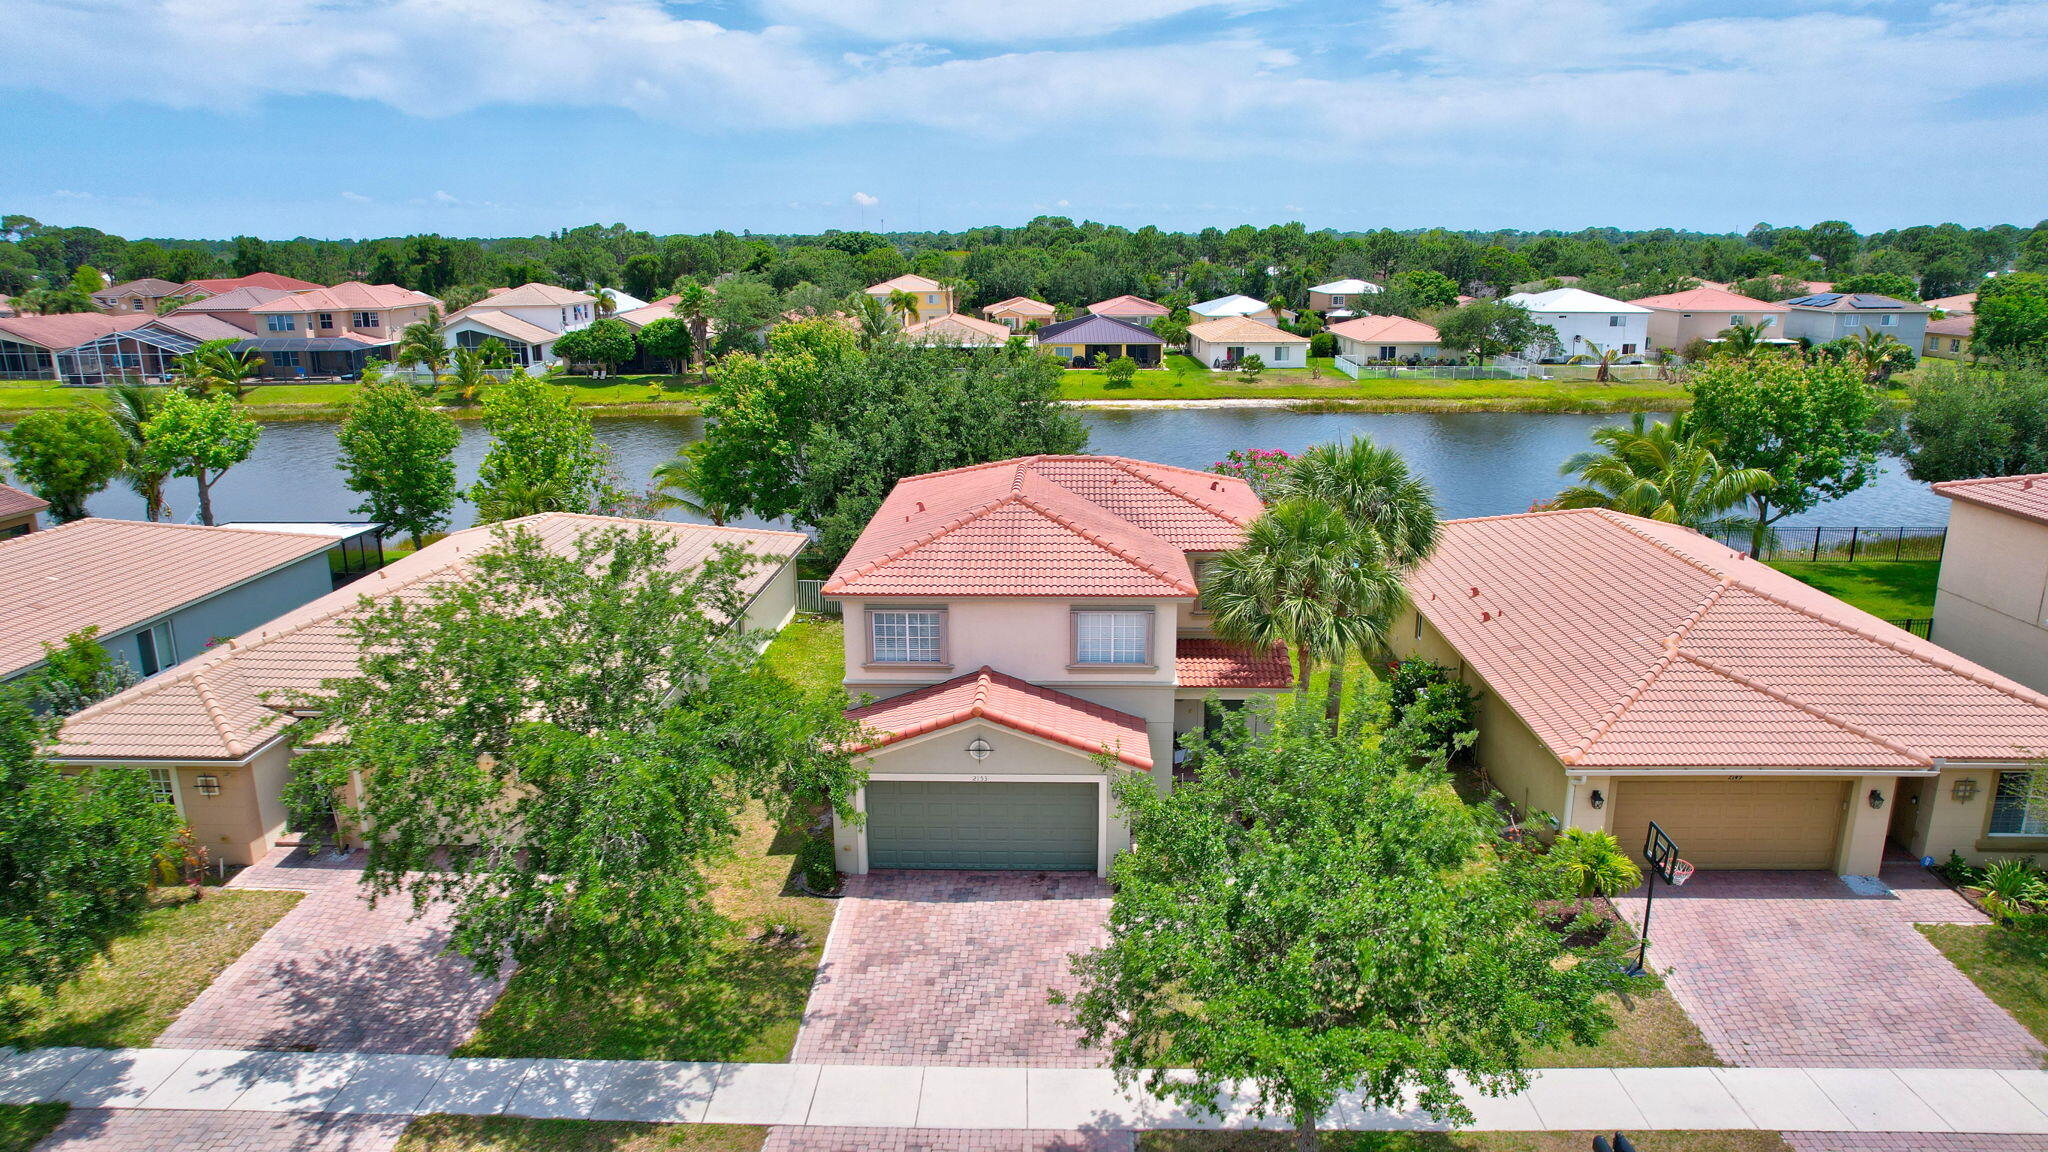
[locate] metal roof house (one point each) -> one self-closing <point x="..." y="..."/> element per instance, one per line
<point x="1080" y="340"/>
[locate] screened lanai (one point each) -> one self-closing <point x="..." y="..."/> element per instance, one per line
<point x="148" y="354"/>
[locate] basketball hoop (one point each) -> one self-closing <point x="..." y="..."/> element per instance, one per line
<point x="1681" y="871"/>
<point x="1661" y="854"/>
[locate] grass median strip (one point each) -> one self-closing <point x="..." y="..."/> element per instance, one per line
<point x="515" y="1134"/>
<point x="23" y="1126"/>
<point x="2011" y="967"/>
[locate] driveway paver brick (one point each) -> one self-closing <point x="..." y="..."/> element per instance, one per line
<point x="953" y="968"/>
<point x="337" y="975"/>
<point x="104" y="1130"/>
<point x="1792" y="969"/>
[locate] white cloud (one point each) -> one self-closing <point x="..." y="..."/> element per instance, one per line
<point x="983" y="21"/>
<point x="355" y="197"/>
<point x="865" y="200"/>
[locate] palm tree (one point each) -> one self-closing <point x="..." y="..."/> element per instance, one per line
<point x="1745" y="341"/>
<point x="424" y="342"/>
<point x="693" y="307"/>
<point x="904" y="304"/>
<point x="1306" y="578"/>
<point x="1374" y="489"/>
<point x="1660" y="471"/>
<point x="132" y="406"/>
<point x="679" y="484"/>
<point x="1878" y="354"/>
<point x="873" y="324"/>
<point x="473" y="371"/>
<point x="1601" y="355"/>
<point x="607" y="302"/>
<point x="216" y="365"/>
<point x="518" y="498"/>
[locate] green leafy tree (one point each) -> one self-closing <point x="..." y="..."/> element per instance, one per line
<point x="132" y="406"/>
<point x="77" y="855"/>
<point x="587" y="725"/>
<point x="1249" y="368"/>
<point x="669" y="339"/>
<point x="543" y="456"/>
<point x="1892" y="284"/>
<point x="819" y="430"/>
<point x="1316" y="913"/>
<point x="78" y="672"/>
<point x="1121" y="372"/>
<point x="1493" y="327"/>
<point x="201" y="439"/>
<point x="1662" y="471"/>
<point x="215" y="366"/>
<point x="1810" y="426"/>
<point x="1961" y="423"/>
<point x="398" y="454"/>
<point x="2012" y="318"/>
<point x="65" y="457"/>
<point x="741" y="311"/>
<point x="1415" y="292"/>
<point x="605" y="343"/>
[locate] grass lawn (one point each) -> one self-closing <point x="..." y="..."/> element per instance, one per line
<point x="516" y="1134"/>
<point x="1650" y="1031"/>
<point x="23" y="1126"/>
<point x="1892" y="589"/>
<point x="139" y="986"/>
<point x="1182" y="1141"/>
<point x="2011" y="967"/>
<point x="811" y="652"/>
<point x="288" y="401"/>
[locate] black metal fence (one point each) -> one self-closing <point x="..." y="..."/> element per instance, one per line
<point x="1837" y="545"/>
<point x="1921" y="627"/>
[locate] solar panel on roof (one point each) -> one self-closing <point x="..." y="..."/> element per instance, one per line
<point x="1819" y="299"/>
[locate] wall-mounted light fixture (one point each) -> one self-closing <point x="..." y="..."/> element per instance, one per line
<point x="1876" y="798"/>
<point x="1598" y="800"/>
<point x="1965" y="790"/>
<point x="979" y="748"/>
<point x="208" y="785"/>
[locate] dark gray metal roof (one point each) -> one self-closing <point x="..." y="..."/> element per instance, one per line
<point x="1096" y="330"/>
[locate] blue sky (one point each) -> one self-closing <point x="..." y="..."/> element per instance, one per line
<point x="339" y="118"/>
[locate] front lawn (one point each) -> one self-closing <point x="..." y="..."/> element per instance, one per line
<point x="1891" y="589"/>
<point x="23" y="1126"/>
<point x="1650" y="1031"/>
<point x="2011" y="967"/>
<point x="517" y="1134"/>
<point x="810" y="653"/>
<point x="148" y="976"/>
<point x="1185" y="1141"/>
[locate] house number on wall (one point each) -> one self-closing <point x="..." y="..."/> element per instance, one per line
<point x="979" y="779"/>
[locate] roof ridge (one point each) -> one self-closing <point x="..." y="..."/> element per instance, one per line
<point x="1628" y="699"/>
<point x="1102" y="542"/>
<point x="1974" y="481"/>
<point x="1783" y="698"/>
<point x="1130" y="467"/>
<point x="960" y="520"/>
<point x="215" y="713"/>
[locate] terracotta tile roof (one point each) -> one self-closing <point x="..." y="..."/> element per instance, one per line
<point x="219" y="704"/>
<point x="953" y="328"/>
<point x="199" y="326"/>
<point x="1965" y="302"/>
<point x="68" y="329"/>
<point x="2023" y="496"/>
<point x="1012" y="703"/>
<point x="147" y="286"/>
<point x="14" y="502"/>
<point x="1243" y="330"/>
<point x="1204" y="663"/>
<point x="535" y="296"/>
<point x="118" y="574"/>
<point x="253" y="280"/>
<point x="1625" y="642"/>
<point x="351" y="296"/>
<point x="236" y="300"/>
<point x="1709" y="299"/>
<point x="1096" y="330"/>
<point x="1046" y="526"/>
<point x="910" y="282"/>
<point x="1128" y="305"/>
<point x="504" y="324"/>
<point x="1021" y="306"/>
<point x="1385" y="330"/>
<point x="1954" y="324"/>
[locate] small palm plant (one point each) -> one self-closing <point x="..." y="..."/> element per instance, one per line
<point x="2011" y="888"/>
<point x="1593" y="863"/>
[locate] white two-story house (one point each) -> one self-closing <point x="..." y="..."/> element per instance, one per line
<point x="1587" y="324"/>
<point x="526" y="320"/>
<point x="1012" y="621"/>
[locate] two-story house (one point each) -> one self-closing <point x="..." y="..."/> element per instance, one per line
<point x="1825" y="317"/>
<point x="1341" y="298"/>
<point x="1131" y="310"/>
<point x="1586" y="323"/>
<point x="1015" y="620"/>
<point x="931" y="298"/>
<point x="1019" y="313"/>
<point x="332" y="331"/>
<point x="526" y="320"/>
<point x="134" y="295"/>
<point x="1679" y="318"/>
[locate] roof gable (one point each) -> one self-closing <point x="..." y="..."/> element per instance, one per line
<point x="1093" y="329"/>
<point x="1244" y="329"/>
<point x="1128" y="305"/>
<point x="1706" y="299"/>
<point x="991" y="696"/>
<point x="2022" y="496"/>
<point x="1393" y="329"/>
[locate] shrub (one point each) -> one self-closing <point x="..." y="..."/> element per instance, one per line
<point x="820" y="873"/>
<point x="1440" y="710"/>
<point x="1249" y="368"/>
<point x="1959" y="871"/>
<point x="1322" y="344"/>
<point x="2011" y="888"/>
<point x="1592" y="863"/>
<point x="1120" y="372"/>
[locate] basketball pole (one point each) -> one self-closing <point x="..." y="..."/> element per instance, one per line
<point x="1643" y="946"/>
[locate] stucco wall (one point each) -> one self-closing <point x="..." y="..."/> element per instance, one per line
<point x="1673" y="329"/>
<point x="1943" y="823"/>
<point x="230" y="826"/>
<point x="1991" y="600"/>
<point x="1279" y="354"/>
<point x="1030" y="638"/>
<point x="775" y="605"/>
<point x="233" y="612"/>
<point x="1519" y="764"/>
<point x="1576" y="329"/>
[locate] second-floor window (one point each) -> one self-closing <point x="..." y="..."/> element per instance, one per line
<point x="1735" y="318"/>
<point x="907" y="637"/>
<point x="1614" y="321"/>
<point x="153" y="648"/>
<point x="364" y="319"/>
<point x="1108" y="637"/>
<point x="278" y="323"/>
<point x="326" y="321"/>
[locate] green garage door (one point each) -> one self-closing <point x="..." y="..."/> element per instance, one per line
<point x="1016" y="827"/>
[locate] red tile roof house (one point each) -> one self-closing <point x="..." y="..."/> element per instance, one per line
<point x="334" y="331"/>
<point x="1012" y="621"/>
<point x="213" y="728"/>
<point x="1991" y="598"/>
<point x="18" y="511"/>
<point x="1633" y="671"/>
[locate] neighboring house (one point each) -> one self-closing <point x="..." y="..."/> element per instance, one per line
<point x="1954" y="305"/>
<point x="1234" y="306"/>
<point x="1384" y="339"/>
<point x="1679" y="318"/>
<point x="933" y="298"/>
<point x="213" y="729"/>
<point x="645" y="314"/>
<point x="30" y="345"/>
<point x="1632" y="671"/>
<point x="526" y="320"/>
<point x="954" y="330"/>
<point x="1584" y="320"/>
<point x="1340" y="298"/>
<point x="1825" y="317"/>
<point x="1015" y="620"/>
<point x="220" y="285"/>
<point x="236" y="306"/>
<point x="158" y="593"/>
<point x="1080" y="340"/>
<point x="1225" y="343"/>
<point x="1130" y="309"/>
<point x="1991" y="599"/>
<point x="147" y="352"/>
<point x="135" y="295"/>
<point x="1018" y="312"/>
<point x="1949" y="337"/>
<point x="6" y="306"/>
<point x="334" y="331"/>
<point x="18" y="511"/>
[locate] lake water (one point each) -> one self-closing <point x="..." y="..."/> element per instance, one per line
<point x="1481" y="463"/>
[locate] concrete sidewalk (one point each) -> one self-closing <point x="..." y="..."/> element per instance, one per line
<point x="1065" y="1099"/>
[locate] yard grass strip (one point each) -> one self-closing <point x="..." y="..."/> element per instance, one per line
<point x="1891" y="589"/>
<point x="2011" y="967"/>
<point x="1716" y="1141"/>
<point x="23" y="1126"/>
<point x="442" y="1133"/>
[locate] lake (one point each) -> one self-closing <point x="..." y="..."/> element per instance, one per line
<point x="1481" y="463"/>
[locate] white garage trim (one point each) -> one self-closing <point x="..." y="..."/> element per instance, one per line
<point x="1098" y="779"/>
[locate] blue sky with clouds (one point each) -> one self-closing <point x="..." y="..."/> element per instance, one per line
<point x="340" y="118"/>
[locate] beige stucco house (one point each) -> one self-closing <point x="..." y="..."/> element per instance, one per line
<point x="213" y="731"/>
<point x="1991" y="599"/>
<point x="1015" y="620"/>
<point x="932" y="299"/>
<point x="1020" y="312"/>
<point x="1228" y="342"/>
<point x="955" y="330"/>
<point x="18" y="511"/>
<point x="1679" y="318"/>
<point x="1949" y="337"/>
<point x="1632" y="671"/>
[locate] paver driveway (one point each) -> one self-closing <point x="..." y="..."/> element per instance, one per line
<point x="952" y="968"/>
<point x="1792" y="969"/>
<point x="336" y="975"/>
